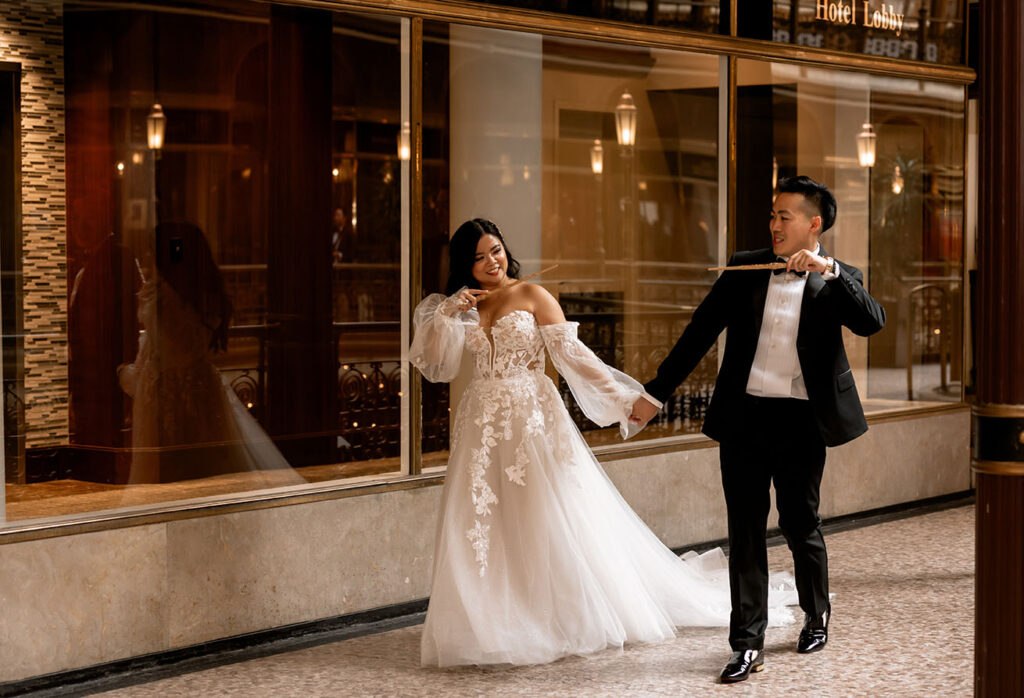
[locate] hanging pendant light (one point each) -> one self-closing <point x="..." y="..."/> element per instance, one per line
<point x="156" y="127"/>
<point x="866" y="142"/>
<point x="597" y="157"/>
<point x="625" y="120"/>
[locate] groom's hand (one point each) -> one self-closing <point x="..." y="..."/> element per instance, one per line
<point x="642" y="412"/>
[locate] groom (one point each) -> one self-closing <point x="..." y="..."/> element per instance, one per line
<point x="784" y="392"/>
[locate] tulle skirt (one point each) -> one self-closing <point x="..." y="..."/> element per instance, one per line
<point x="538" y="556"/>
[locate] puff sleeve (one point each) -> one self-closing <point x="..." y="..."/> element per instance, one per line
<point x="439" y="337"/>
<point x="605" y="394"/>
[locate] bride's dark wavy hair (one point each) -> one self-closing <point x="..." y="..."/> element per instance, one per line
<point x="185" y="262"/>
<point x="462" y="251"/>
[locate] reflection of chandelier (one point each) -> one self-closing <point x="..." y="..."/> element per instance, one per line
<point x="156" y="127"/>
<point x="897" y="180"/>
<point x="866" y="141"/>
<point x="597" y="157"/>
<point x="625" y="120"/>
<point x="404" y="148"/>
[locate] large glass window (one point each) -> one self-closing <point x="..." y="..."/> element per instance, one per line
<point x="891" y="149"/>
<point x="230" y="315"/>
<point x="600" y="159"/>
<point x="208" y="287"/>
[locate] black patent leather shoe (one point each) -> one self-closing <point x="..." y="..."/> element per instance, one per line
<point x="742" y="664"/>
<point x="814" y="636"/>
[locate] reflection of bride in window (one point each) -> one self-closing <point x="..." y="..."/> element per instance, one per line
<point x="187" y="421"/>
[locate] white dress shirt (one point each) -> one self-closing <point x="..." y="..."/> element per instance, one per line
<point x="776" y="371"/>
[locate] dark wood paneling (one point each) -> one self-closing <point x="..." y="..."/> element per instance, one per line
<point x="999" y="665"/>
<point x="301" y="407"/>
<point x="101" y="322"/>
<point x="1001" y="206"/>
<point x="999" y="602"/>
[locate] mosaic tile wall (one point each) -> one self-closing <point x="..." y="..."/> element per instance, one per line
<point x="31" y="33"/>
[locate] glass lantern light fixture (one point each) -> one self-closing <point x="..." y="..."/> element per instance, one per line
<point x="867" y="139"/>
<point x="625" y="120"/>
<point x="597" y="157"/>
<point x="156" y="127"/>
<point x="404" y="141"/>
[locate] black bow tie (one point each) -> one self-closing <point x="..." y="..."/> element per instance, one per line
<point x="783" y="271"/>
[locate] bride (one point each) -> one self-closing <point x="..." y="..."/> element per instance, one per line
<point x="537" y="555"/>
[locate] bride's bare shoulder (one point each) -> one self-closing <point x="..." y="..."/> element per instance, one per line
<point x="545" y="306"/>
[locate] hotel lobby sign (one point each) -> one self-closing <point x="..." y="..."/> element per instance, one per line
<point x="927" y="30"/>
<point x="884" y="17"/>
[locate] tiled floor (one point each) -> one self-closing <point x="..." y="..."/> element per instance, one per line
<point x="903" y="626"/>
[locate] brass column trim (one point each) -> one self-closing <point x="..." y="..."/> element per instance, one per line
<point x="415" y="204"/>
<point x="997" y="410"/>
<point x="995" y="467"/>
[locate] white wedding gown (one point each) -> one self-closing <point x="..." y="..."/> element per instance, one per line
<point x="537" y="555"/>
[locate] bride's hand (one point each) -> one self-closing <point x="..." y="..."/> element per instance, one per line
<point x="469" y="297"/>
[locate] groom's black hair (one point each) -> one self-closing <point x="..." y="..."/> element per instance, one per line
<point x="816" y="194"/>
<point x="462" y="254"/>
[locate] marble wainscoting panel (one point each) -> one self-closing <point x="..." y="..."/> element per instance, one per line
<point x="260" y="569"/>
<point x="900" y="461"/>
<point x="678" y="495"/>
<point x="81" y="600"/>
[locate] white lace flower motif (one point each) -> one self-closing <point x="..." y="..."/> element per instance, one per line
<point x="478" y="537"/>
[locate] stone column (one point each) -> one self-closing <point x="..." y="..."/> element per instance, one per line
<point x="998" y="455"/>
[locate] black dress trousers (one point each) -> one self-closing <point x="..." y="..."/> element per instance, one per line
<point x="783" y="445"/>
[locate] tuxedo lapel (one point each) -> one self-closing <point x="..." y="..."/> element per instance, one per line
<point x="815" y="285"/>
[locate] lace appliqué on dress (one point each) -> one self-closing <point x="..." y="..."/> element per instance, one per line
<point x="517" y="471"/>
<point x="500" y="367"/>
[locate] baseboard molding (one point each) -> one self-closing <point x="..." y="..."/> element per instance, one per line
<point x="240" y="648"/>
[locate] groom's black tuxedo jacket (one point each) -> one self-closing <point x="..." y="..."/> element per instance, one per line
<point x="736" y="302"/>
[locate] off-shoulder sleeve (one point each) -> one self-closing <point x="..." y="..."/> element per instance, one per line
<point x="605" y="394"/>
<point x="439" y="338"/>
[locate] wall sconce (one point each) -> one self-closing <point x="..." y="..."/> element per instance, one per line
<point x="404" y="141"/>
<point x="597" y="157"/>
<point x="897" y="180"/>
<point x="775" y="173"/>
<point x="120" y="169"/>
<point x="625" y="120"/>
<point x="866" y="142"/>
<point x="156" y="127"/>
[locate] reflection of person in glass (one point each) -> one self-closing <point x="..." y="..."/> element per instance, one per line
<point x="342" y="237"/>
<point x="537" y="554"/>
<point x="186" y="420"/>
<point x="784" y="392"/>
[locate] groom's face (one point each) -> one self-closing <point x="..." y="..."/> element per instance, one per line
<point x="794" y="225"/>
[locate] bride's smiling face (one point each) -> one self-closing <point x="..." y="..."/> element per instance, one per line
<point x="490" y="264"/>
